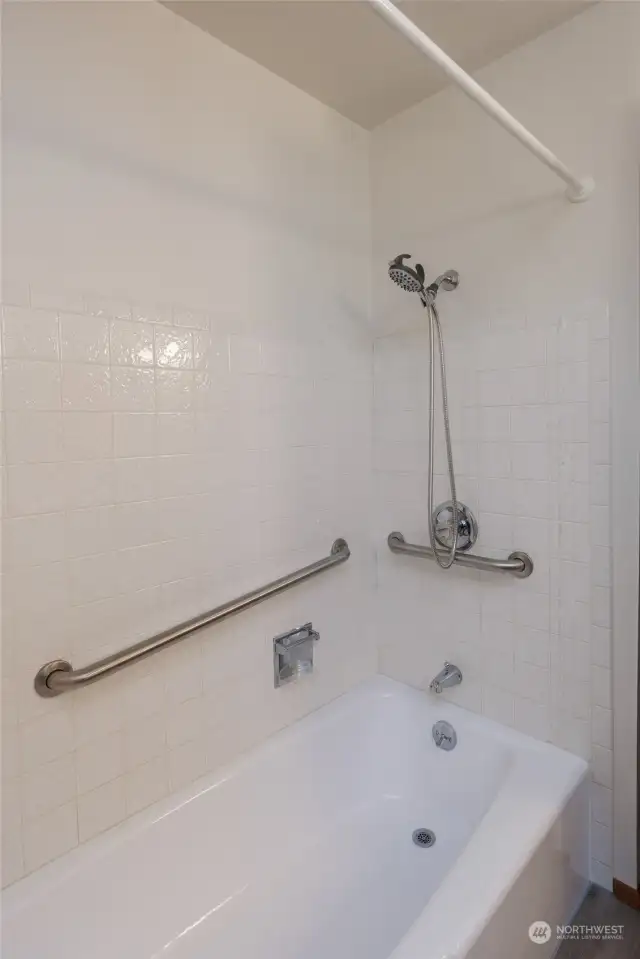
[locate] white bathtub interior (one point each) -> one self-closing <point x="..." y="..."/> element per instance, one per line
<point x="304" y="848"/>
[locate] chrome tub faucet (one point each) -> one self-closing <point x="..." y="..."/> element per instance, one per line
<point x="449" y="676"/>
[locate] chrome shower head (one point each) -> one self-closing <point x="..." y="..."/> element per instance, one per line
<point x="410" y="280"/>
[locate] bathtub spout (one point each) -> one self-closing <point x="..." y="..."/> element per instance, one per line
<point x="449" y="676"/>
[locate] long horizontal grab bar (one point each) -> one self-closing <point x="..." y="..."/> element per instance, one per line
<point x="518" y="564"/>
<point x="59" y="676"/>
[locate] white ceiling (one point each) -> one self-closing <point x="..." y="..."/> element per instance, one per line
<point x="345" y="55"/>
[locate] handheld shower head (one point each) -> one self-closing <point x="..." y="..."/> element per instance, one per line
<point x="410" y="280"/>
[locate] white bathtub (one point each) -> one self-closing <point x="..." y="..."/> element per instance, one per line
<point x="303" y="849"/>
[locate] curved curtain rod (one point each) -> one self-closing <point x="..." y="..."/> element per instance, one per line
<point x="578" y="188"/>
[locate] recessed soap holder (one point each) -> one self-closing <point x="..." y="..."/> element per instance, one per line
<point x="293" y="654"/>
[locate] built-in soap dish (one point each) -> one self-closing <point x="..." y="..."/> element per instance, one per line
<point x="293" y="654"/>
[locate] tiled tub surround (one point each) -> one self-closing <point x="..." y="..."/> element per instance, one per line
<point x="155" y="470"/>
<point x="530" y="416"/>
<point x="528" y="439"/>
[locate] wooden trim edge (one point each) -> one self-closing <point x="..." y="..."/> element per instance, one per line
<point x="626" y="894"/>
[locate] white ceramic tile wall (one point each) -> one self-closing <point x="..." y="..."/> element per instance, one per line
<point x="138" y="495"/>
<point x="164" y="454"/>
<point x="527" y="335"/>
<point x="532" y="464"/>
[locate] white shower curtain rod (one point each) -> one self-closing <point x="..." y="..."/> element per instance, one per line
<point x="578" y="188"/>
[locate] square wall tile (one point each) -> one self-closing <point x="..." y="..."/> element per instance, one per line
<point x="101" y="808"/>
<point x="35" y="488"/>
<point x="31" y="385"/>
<point x="135" y="434"/>
<point x="132" y="344"/>
<point x="33" y="437"/>
<point x="87" y="435"/>
<point x="30" y="334"/>
<point x="86" y="387"/>
<point x="84" y="339"/>
<point x="50" y="835"/>
<point x="33" y="540"/>
<point x="146" y="784"/>
<point x="99" y="762"/>
<point x="133" y="390"/>
<point x="174" y="348"/>
<point x="48" y="787"/>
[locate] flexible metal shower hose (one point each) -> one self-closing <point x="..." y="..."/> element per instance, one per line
<point x="435" y="330"/>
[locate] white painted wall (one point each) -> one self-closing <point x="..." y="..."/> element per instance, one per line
<point x="187" y="385"/>
<point x="548" y="296"/>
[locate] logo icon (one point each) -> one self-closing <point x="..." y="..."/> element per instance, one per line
<point x="540" y="932"/>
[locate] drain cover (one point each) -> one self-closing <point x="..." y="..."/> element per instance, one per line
<point x="423" y="837"/>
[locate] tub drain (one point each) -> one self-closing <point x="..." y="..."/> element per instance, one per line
<point x="423" y="837"/>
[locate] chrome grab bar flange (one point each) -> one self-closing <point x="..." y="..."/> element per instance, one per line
<point x="41" y="680"/>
